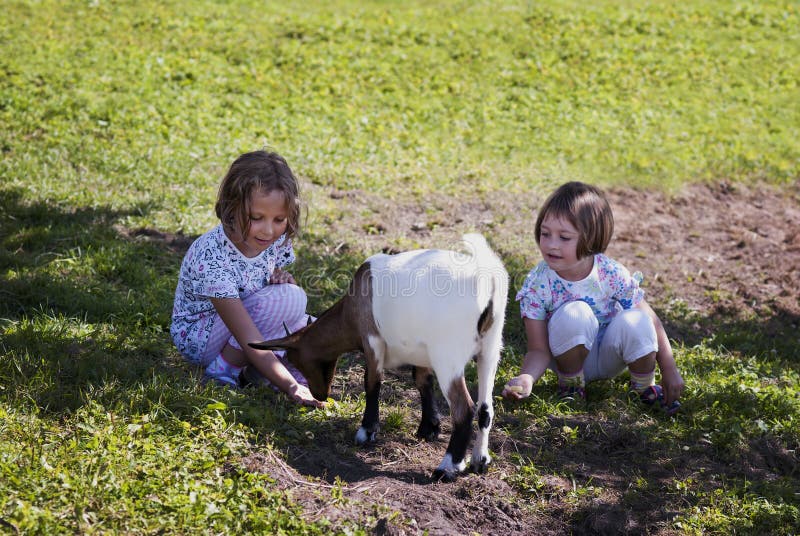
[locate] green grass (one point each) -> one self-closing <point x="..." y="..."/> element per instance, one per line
<point x="141" y="106"/>
<point x="734" y="408"/>
<point x="125" y="114"/>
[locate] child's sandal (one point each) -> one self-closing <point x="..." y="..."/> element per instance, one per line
<point x="655" y="395"/>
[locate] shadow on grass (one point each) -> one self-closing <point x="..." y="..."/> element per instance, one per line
<point x="85" y="308"/>
<point x="73" y="262"/>
<point x="628" y="473"/>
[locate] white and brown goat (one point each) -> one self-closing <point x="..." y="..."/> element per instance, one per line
<point x="432" y="309"/>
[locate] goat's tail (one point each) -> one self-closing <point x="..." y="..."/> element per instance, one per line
<point x="480" y="250"/>
<point x="492" y="275"/>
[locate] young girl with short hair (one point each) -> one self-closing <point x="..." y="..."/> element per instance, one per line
<point x="585" y="316"/>
<point x="232" y="288"/>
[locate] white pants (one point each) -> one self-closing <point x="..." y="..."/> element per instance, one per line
<point x="269" y="308"/>
<point x="629" y="336"/>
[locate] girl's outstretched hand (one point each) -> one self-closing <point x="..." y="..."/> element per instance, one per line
<point x="672" y="383"/>
<point x="518" y="388"/>
<point x="280" y="277"/>
<point x="300" y="394"/>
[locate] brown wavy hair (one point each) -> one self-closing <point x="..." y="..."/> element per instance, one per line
<point x="587" y="209"/>
<point x="252" y="172"/>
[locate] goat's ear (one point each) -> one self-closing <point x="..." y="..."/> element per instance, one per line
<point x="275" y="344"/>
<point x="291" y="340"/>
<point x="265" y="345"/>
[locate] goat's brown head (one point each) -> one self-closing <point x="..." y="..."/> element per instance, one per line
<point x="317" y="367"/>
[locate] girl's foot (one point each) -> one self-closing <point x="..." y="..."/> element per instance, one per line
<point x="518" y="388"/>
<point x="572" y="394"/>
<point x="654" y="396"/>
<point x="222" y="373"/>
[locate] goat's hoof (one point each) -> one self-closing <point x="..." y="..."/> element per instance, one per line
<point x="448" y="470"/>
<point x="480" y="466"/>
<point x="363" y="436"/>
<point x="429" y="431"/>
<point x="440" y="475"/>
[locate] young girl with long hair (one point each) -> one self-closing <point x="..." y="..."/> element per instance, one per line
<point x="232" y="287"/>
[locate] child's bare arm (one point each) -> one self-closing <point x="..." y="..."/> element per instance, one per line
<point x="238" y="321"/>
<point x="671" y="379"/>
<point x="535" y="362"/>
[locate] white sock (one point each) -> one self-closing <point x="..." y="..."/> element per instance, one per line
<point x="220" y="367"/>
<point x="640" y="382"/>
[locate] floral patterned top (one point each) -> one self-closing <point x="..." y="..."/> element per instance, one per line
<point x="608" y="289"/>
<point x="215" y="268"/>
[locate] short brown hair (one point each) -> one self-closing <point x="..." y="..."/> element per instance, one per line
<point x="586" y="208"/>
<point x="252" y="172"/>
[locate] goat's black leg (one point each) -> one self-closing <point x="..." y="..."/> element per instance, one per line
<point x="429" y="426"/>
<point x="372" y="387"/>
<point x="462" y="411"/>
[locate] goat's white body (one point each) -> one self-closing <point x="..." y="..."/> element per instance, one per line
<point x="427" y="306"/>
<point x="428" y="298"/>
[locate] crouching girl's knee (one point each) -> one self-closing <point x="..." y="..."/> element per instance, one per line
<point x="635" y="321"/>
<point x="290" y="290"/>
<point x="577" y="311"/>
<point x="283" y="300"/>
<point x="572" y="324"/>
<point x="635" y="334"/>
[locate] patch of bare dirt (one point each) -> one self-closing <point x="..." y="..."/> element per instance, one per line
<point x="386" y="488"/>
<point x="732" y="253"/>
<point x="174" y="243"/>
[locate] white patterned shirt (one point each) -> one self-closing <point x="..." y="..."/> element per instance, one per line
<point x="608" y="289"/>
<point x="215" y="268"/>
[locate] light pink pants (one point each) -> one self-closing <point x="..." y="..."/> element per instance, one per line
<point x="269" y="308"/>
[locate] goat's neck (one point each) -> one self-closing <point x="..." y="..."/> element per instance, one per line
<point x="334" y="332"/>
